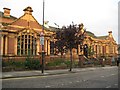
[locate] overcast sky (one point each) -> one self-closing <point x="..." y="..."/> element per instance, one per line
<point x="98" y="16"/>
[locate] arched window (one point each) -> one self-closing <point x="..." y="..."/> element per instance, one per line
<point x="26" y="45"/>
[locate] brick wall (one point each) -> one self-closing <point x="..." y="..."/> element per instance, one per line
<point x="11" y="46"/>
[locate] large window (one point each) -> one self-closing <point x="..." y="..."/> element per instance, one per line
<point x="26" y="45"/>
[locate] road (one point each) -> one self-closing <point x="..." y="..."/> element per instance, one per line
<point x="96" y="78"/>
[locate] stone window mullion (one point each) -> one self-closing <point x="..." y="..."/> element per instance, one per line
<point x="27" y="44"/>
<point x="30" y="46"/>
<point x="24" y="45"/>
<point x="20" y="45"/>
<point x="33" y="46"/>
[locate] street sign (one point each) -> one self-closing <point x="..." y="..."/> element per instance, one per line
<point x="42" y="40"/>
<point x="41" y="34"/>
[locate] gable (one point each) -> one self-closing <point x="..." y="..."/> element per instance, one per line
<point x="25" y="21"/>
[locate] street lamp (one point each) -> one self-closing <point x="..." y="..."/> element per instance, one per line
<point x="42" y="41"/>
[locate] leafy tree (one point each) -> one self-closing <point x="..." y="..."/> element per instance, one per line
<point x="60" y="43"/>
<point x="68" y="38"/>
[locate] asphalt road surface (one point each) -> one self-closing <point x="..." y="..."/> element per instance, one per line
<point x="96" y="78"/>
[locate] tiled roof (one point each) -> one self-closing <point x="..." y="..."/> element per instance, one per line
<point x="6" y="20"/>
<point x="11" y="17"/>
<point x="90" y="34"/>
<point x="102" y="37"/>
<point x="26" y="23"/>
<point x="97" y="37"/>
<point x="53" y="28"/>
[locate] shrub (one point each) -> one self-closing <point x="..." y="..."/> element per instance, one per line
<point x="4" y="64"/>
<point x="67" y="62"/>
<point x="56" y="62"/>
<point x="7" y="63"/>
<point x="75" y="64"/>
<point x="28" y="64"/>
<point x="32" y="64"/>
<point x="62" y="62"/>
<point x="19" y="64"/>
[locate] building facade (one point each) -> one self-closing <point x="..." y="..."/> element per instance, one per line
<point x="21" y="37"/>
<point x="95" y="46"/>
<point x="102" y="46"/>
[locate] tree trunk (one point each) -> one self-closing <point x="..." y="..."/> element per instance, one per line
<point x="70" y="59"/>
<point x="61" y="54"/>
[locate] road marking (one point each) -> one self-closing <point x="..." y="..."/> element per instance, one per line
<point x="24" y="78"/>
<point x="8" y="75"/>
<point x="84" y="80"/>
<point x="58" y="75"/>
<point x="70" y="82"/>
<point x="108" y="87"/>
<point x="84" y="69"/>
<point x="47" y="86"/>
<point x="116" y="84"/>
<point x="112" y="74"/>
<point x="92" y="69"/>
<point x="103" y="76"/>
<point x="19" y="78"/>
<point x="77" y="81"/>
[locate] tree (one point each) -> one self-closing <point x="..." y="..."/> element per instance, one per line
<point x="69" y="38"/>
<point x="60" y="43"/>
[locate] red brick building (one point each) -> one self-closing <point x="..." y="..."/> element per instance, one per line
<point x="21" y="36"/>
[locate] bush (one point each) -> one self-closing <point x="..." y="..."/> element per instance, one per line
<point x="4" y="64"/>
<point x="7" y="63"/>
<point x="51" y="64"/>
<point x="67" y="62"/>
<point x="12" y="65"/>
<point x="75" y="64"/>
<point x="62" y="62"/>
<point x="32" y="64"/>
<point x="96" y="62"/>
<point x="28" y="64"/>
<point x="19" y="64"/>
<point x="56" y="62"/>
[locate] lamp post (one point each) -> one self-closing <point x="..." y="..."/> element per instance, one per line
<point x="42" y="40"/>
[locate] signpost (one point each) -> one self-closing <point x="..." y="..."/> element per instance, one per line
<point x="42" y="41"/>
<point x="41" y="38"/>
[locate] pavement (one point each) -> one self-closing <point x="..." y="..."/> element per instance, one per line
<point x="18" y="74"/>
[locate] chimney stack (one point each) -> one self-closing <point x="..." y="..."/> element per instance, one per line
<point x="6" y="12"/>
<point x="28" y="10"/>
<point x="110" y="33"/>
